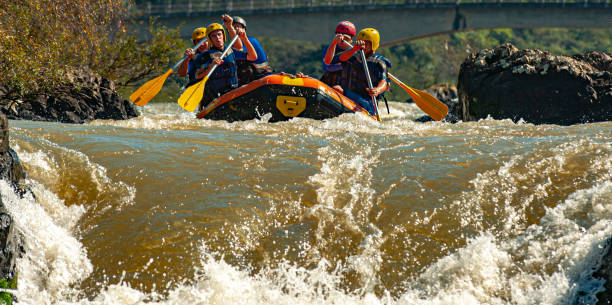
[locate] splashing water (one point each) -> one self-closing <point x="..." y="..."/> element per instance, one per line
<point x="167" y="209"/>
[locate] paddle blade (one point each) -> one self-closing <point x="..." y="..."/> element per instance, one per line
<point x="191" y="97"/>
<point x="425" y="101"/>
<point x="439" y="109"/>
<point x="149" y="90"/>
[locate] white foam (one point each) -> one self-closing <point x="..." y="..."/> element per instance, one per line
<point x="54" y="259"/>
<point x="549" y="264"/>
<point x="510" y="262"/>
<point x="54" y="161"/>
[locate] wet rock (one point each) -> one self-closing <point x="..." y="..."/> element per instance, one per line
<point x="11" y="242"/>
<point x="535" y="86"/>
<point x="605" y="272"/>
<point x="85" y="97"/>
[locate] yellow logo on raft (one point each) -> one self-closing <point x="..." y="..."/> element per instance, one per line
<point x="290" y="106"/>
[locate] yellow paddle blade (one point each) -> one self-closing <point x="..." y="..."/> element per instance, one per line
<point x="425" y="101"/>
<point x="149" y="90"/>
<point x="191" y="97"/>
<point x="441" y="110"/>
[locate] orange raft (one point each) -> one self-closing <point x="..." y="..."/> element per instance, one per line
<point x="284" y="97"/>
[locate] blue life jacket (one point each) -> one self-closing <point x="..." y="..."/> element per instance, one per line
<point x="224" y="78"/>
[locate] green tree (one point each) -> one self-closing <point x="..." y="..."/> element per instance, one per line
<point x="40" y="40"/>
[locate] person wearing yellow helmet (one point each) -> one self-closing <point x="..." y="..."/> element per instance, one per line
<point x="224" y="77"/>
<point x="197" y="35"/>
<point x="354" y="81"/>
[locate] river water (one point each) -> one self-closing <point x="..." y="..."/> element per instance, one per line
<point x="168" y="209"/>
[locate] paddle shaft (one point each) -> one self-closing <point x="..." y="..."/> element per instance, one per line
<point x="229" y="47"/>
<point x="148" y="90"/>
<point x="395" y="79"/>
<point x="369" y="80"/>
<point x="185" y="57"/>
<point x="367" y="72"/>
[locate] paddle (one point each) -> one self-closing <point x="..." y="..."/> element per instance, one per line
<point x="367" y="72"/>
<point x="191" y="97"/>
<point x="425" y="101"/>
<point x="429" y="104"/>
<point x="150" y="89"/>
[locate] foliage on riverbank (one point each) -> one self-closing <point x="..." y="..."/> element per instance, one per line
<point x="40" y="40"/>
<point x="6" y="297"/>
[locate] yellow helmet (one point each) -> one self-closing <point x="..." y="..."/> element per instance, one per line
<point x="213" y="27"/>
<point x="370" y="35"/>
<point x="198" y="34"/>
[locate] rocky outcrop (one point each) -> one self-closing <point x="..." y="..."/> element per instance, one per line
<point x="605" y="272"/>
<point x="84" y="97"/>
<point x="11" y="245"/>
<point x="535" y="86"/>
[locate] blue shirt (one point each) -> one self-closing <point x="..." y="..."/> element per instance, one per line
<point x="261" y="55"/>
<point x="334" y="66"/>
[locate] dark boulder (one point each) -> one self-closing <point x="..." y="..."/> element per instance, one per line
<point x="605" y="273"/>
<point x="11" y="242"/>
<point x="85" y="96"/>
<point x="540" y="88"/>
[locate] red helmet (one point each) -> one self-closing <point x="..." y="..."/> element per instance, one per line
<point x="346" y="27"/>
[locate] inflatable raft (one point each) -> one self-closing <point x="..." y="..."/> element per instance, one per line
<point x="284" y="97"/>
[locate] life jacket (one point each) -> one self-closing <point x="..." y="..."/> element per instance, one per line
<point x="353" y="75"/>
<point x="249" y="71"/>
<point x="332" y="78"/>
<point x="223" y="76"/>
<point x="222" y="80"/>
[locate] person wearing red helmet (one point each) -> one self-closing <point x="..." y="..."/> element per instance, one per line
<point x="345" y="30"/>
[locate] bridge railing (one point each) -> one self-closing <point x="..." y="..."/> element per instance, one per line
<point x="207" y="7"/>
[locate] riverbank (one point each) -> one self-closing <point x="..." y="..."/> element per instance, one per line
<point x="82" y="97"/>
